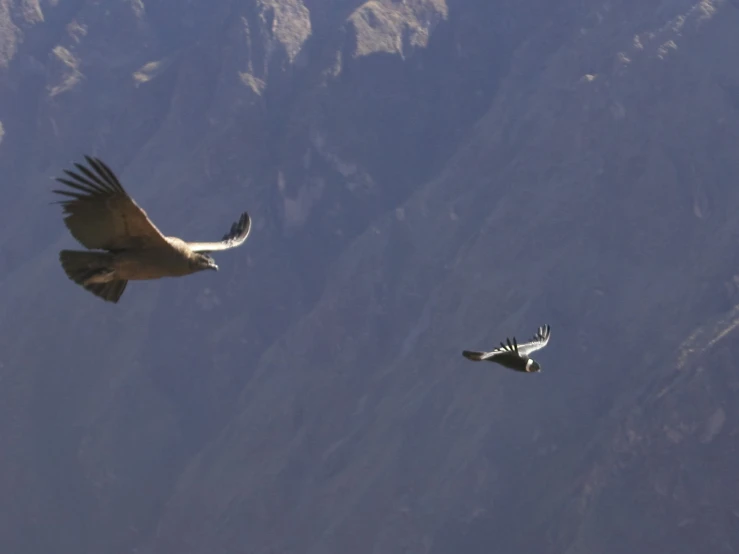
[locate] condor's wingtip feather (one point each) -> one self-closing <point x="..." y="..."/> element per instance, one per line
<point x="82" y="186"/>
<point x="239" y="228"/>
<point x="97" y="180"/>
<point x="105" y="172"/>
<point x="91" y="178"/>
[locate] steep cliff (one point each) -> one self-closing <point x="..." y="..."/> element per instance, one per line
<point x="424" y="176"/>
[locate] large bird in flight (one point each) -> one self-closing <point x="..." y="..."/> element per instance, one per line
<point x="513" y="355"/>
<point x="100" y="215"/>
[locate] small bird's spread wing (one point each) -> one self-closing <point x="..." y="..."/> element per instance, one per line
<point x="540" y="340"/>
<point x="235" y="237"/>
<point x="505" y="349"/>
<point x="101" y="215"/>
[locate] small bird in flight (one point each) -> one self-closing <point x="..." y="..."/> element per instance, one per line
<point x="514" y="356"/>
<point x="100" y="215"/>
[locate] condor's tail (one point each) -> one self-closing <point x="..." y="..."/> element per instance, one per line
<point x="89" y="270"/>
<point x="474" y="356"/>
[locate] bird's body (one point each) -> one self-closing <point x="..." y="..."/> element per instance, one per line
<point x="153" y="263"/>
<point x="513" y="355"/>
<point x="103" y="217"/>
<point x="143" y="264"/>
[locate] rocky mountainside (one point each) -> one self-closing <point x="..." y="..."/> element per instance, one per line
<point x="424" y="176"/>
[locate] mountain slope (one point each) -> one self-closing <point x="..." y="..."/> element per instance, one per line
<point x="424" y="178"/>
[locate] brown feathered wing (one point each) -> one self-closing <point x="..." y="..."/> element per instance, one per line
<point x="101" y="215"/>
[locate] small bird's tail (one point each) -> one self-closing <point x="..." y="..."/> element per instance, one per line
<point x="89" y="269"/>
<point x="474" y="356"/>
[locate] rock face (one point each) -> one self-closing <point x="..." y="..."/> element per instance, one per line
<point x="424" y="176"/>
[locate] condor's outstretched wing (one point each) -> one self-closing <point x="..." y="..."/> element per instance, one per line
<point x="539" y="341"/>
<point x="235" y="237"/>
<point x="505" y="349"/>
<point x="99" y="212"/>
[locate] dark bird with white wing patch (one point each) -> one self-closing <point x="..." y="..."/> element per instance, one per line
<point x="513" y="355"/>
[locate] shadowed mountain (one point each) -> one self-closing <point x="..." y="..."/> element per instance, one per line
<point x="422" y="176"/>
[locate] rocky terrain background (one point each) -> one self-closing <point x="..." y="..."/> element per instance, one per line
<point x="424" y="176"/>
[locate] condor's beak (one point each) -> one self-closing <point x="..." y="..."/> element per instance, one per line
<point x="213" y="267"/>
